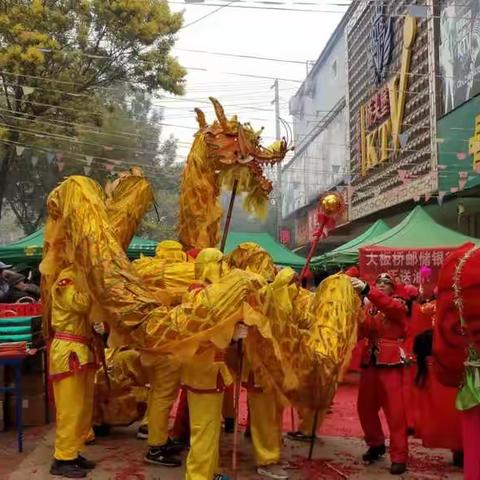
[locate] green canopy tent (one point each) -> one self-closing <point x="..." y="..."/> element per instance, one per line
<point x="347" y="254"/>
<point x="417" y="230"/>
<point x="281" y="256"/>
<point x="28" y="250"/>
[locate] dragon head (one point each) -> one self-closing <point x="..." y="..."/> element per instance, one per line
<point x="231" y="143"/>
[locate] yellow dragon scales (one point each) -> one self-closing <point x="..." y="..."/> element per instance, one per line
<point x="304" y="338"/>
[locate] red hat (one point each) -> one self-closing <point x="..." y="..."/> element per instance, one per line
<point x="385" y="278"/>
<point x="352" y="271"/>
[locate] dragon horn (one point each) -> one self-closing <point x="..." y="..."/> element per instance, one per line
<point x="219" y="112"/>
<point x="202" y="122"/>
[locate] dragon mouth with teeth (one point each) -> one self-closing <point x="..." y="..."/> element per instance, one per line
<point x="231" y="143"/>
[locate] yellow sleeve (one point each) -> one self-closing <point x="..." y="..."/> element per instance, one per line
<point x="71" y="299"/>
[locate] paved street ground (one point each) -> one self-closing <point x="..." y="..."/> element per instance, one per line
<point x="119" y="457"/>
<point x="336" y="457"/>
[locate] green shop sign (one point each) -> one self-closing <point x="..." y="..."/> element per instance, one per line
<point x="459" y="148"/>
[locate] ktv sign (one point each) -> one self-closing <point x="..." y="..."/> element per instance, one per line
<point x="381" y="117"/>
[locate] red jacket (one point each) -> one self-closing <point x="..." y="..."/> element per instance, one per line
<point x="384" y="330"/>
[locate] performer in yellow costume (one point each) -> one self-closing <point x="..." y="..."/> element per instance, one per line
<point x="265" y="408"/>
<point x="205" y="378"/>
<point x="72" y="370"/>
<point x="163" y="371"/>
<point x="168" y="270"/>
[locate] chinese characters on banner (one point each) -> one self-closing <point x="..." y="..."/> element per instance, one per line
<point x="403" y="264"/>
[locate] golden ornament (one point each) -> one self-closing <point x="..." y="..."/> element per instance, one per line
<point x="332" y="205"/>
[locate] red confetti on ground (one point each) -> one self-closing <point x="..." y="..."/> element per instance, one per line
<point x="323" y="469"/>
<point x="431" y="466"/>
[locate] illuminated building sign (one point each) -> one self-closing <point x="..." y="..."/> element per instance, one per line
<point x="381" y="118"/>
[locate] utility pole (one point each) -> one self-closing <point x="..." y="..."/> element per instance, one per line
<point x="278" y="134"/>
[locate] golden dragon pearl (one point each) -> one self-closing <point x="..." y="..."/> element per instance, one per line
<point x="331" y="205"/>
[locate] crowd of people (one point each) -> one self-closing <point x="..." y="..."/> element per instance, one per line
<point x="17" y="285"/>
<point x="395" y="355"/>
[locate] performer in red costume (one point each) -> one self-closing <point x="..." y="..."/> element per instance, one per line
<point x="381" y="381"/>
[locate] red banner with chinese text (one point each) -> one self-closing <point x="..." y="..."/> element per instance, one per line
<point x="403" y="264"/>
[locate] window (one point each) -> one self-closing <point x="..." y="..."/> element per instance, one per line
<point x="334" y="69"/>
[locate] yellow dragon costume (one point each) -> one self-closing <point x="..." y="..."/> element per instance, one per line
<point x="298" y="366"/>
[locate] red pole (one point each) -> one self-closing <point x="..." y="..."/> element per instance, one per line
<point x="313" y="248"/>
<point x="238" y="386"/>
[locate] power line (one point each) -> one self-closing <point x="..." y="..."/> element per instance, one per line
<point x="237" y="55"/>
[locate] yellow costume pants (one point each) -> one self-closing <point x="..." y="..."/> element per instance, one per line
<point x="74" y="405"/>
<point x="266" y="427"/>
<point x="205" y="411"/>
<point x="164" y="378"/>
<point x="307" y="417"/>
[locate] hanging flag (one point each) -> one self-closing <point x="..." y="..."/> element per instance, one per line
<point x="419" y="11"/>
<point x="463" y="175"/>
<point x="28" y="90"/>
<point x="19" y="149"/>
<point x="34" y="160"/>
<point x="416" y="197"/>
<point x="461" y="183"/>
<point x="461" y="155"/>
<point x="428" y="196"/>
<point x="87" y="170"/>
<point x="441" y="196"/>
<point x="454" y="189"/>
<point x="89" y="159"/>
<point x="403" y="137"/>
<point x="402" y="175"/>
<point x="50" y="158"/>
<point x="350" y="191"/>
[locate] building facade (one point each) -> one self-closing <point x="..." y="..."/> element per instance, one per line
<point x="320" y="161"/>
<point x="391" y="98"/>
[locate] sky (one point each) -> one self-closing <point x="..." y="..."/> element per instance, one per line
<point x="265" y="31"/>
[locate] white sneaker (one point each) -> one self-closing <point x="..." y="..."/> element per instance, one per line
<point x="272" y="471"/>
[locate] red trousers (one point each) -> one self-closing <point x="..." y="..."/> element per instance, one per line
<point x="181" y="425"/>
<point x="382" y="388"/>
<point x="471" y="443"/>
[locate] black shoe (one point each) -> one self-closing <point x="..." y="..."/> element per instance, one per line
<point x="299" y="437"/>
<point x="159" y="456"/>
<point x="229" y="425"/>
<point x="67" y="469"/>
<point x="374" y="453"/>
<point x="458" y="459"/>
<point x="82" y="462"/>
<point x="101" y="430"/>
<point x="398" y="468"/>
<point x="174" y="446"/>
<point x="142" y="432"/>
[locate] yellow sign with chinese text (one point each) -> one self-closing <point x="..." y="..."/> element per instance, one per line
<point x="377" y="145"/>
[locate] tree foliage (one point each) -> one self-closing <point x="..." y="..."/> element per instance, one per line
<point x="60" y="62"/>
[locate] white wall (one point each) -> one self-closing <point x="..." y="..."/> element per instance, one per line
<point x="320" y="161"/>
